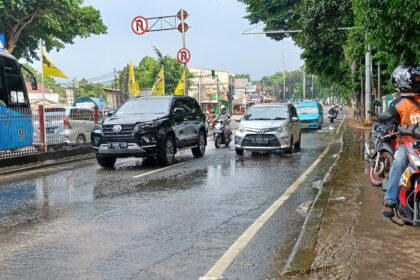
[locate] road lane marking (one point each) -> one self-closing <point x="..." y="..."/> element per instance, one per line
<point x="220" y="267"/>
<point x="157" y="170"/>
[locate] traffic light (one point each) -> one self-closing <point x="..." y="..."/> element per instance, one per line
<point x="213" y="74"/>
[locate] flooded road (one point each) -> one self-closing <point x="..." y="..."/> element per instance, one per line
<point x="139" y="221"/>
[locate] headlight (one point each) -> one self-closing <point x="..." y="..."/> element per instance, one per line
<point x="97" y="130"/>
<point x="414" y="160"/>
<point x="218" y="126"/>
<point x="241" y="128"/>
<point x="282" y="128"/>
<point x="146" y="125"/>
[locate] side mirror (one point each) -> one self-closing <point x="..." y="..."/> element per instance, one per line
<point x="295" y="119"/>
<point x="238" y="120"/>
<point x="34" y="84"/>
<point x="110" y="113"/>
<point x="179" y="111"/>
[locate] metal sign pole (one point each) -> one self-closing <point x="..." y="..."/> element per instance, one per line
<point x="184" y="46"/>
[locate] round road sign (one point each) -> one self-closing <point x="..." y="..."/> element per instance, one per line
<point x="184" y="56"/>
<point x="140" y="25"/>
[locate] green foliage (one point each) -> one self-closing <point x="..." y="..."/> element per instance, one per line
<point x="243" y="76"/>
<point x="147" y="71"/>
<point x="294" y="85"/>
<point x="86" y="88"/>
<point x="56" y="22"/>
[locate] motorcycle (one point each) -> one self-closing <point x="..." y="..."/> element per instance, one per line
<point x="332" y="115"/>
<point x="220" y="136"/>
<point x="381" y="154"/>
<point x="408" y="208"/>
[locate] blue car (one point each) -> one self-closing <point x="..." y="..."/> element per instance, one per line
<point x="310" y="114"/>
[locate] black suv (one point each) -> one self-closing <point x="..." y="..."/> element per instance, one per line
<point x="151" y="127"/>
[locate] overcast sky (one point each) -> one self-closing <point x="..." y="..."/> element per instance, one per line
<point x="215" y="40"/>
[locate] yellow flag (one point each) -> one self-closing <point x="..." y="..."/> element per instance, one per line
<point x="49" y="69"/>
<point x="181" y="85"/>
<point x="159" y="86"/>
<point x="133" y="86"/>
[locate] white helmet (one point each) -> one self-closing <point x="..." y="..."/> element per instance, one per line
<point x="223" y="107"/>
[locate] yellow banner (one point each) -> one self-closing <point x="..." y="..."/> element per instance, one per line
<point x="133" y="86"/>
<point x="159" y="86"/>
<point x="49" y="69"/>
<point x="181" y="85"/>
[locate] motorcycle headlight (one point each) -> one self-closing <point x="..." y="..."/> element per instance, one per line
<point x="218" y="126"/>
<point x="415" y="160"/>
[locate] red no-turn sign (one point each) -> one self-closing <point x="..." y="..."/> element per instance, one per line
<point x="184" y="56"/>
<point x="139" y="25"/>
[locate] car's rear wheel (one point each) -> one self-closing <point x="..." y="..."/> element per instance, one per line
<point x="201" y="145"/>
<point x="239" y="152"/>
<point x="166" y="153"/>
<point x="297" y="145"/>
<point x="106" y="161"/>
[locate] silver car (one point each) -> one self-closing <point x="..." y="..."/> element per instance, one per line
<point x="269" y="127"/>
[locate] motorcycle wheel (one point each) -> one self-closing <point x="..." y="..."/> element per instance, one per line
<point x="376" y="179"/>
<point x="217" y="141"/>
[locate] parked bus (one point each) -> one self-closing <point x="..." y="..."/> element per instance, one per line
<point x="16" y="129"/>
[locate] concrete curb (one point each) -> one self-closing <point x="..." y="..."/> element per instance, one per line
<point x="303" y="252"/>
<point x="83" y="155"/>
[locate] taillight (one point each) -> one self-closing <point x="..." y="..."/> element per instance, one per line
<point x="67" y="123"/>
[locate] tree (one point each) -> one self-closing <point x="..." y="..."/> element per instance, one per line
<point x="147" y="71"/>
<point x="243" y="76"/>
<point x="56" y="22"/>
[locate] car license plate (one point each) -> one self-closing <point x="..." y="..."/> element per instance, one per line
<point x="259" y="140"/>
<point x="117" y="145"/>
<point x="50" y="130"/>
<point x="304" y="125"/>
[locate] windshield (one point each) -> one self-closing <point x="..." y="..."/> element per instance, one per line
<point x="307" y="110"/>
<point x="145" y="106"/>
<point x="266" y="113"/>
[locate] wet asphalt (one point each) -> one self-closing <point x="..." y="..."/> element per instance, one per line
<point x="79" y="221"/>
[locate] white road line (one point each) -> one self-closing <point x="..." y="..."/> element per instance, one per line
<point x="217" y="271"/>
<point x="157" y="170"/>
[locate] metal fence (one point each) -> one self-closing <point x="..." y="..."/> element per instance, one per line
<point x="46" y="129"/>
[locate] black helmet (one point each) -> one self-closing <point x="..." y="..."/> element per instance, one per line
<point x="406" y="78"/>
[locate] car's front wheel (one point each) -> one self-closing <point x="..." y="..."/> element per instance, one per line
<point x="297" y="145"/>
<point x="239" y="152"/>
<point x="166" y="153"/>
<point x="106" y="161"/>
<point x="290" y="150"/>
<point x="201" y="145"/>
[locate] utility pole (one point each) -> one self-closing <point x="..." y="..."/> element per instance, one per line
<point x="284" y="79"/>
<point x="312" y="87"/>
<point x="368" y="84"/>
<point x="304" y="84"/>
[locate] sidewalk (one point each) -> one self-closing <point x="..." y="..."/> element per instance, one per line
<point x="354" y="240"/>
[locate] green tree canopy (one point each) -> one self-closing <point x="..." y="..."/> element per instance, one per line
<point x="243" y="76"/>
<point x="147" y="71"/>
<point x="56" y="22"/>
